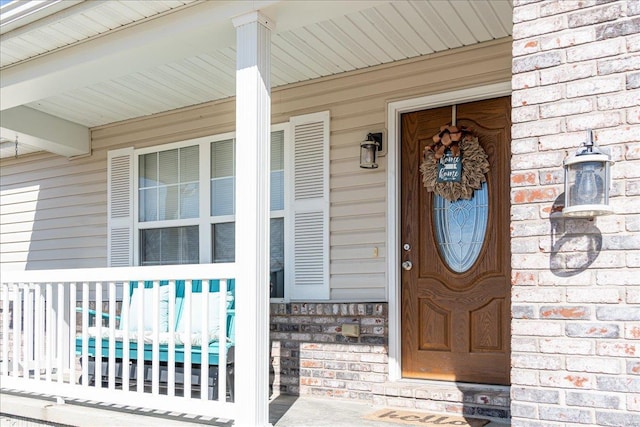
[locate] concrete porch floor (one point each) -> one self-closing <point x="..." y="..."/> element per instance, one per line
<point x="21" y="410"/>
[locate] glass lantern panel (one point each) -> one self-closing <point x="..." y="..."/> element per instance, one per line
<point x="586" y="184"/>
<point x="460" y="228"/>
<point x="367" y="155"/>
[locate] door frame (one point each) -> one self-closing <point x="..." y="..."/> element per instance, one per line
<point x="394" y="110"/>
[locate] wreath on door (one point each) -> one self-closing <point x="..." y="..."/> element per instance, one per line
<point x="454" y="147"/>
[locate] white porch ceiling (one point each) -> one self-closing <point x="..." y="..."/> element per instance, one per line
<point x="92" y="63"/>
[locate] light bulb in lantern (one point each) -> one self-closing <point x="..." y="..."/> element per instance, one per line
<point x="588" y="187"/>
<point x="368" y="157"/>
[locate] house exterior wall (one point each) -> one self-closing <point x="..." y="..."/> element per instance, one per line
<point x="576" y="299"/>
<point x="53" y="210"/>
<point x="310" y="353"/>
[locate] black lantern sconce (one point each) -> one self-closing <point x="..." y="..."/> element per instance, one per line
<point x="587" y="179"/>
<point x="369" y="150"/>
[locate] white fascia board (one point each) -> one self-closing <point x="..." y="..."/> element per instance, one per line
<point x="44" y="131"/>
<point x="202" y="28"/>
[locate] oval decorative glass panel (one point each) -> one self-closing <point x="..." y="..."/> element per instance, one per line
<point x="460" y="228"/>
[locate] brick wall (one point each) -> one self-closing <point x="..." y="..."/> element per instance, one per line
<point x="576" y="299"/>
<point x="311" y="355"/>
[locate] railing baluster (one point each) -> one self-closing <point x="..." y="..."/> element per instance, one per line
<point x="171" y="356"/>
<point x="60" y="333"/>
<point x="124" y="325"/>
<point x="112" y="336"/>
<point x="155" y="346"/>
<point x="49" y="330"/>
<point x="17" y="329"/>
<point x="5" y="330"/>
<point x="85" y="337"/>
<point x="28" y="332"/>
<point x="222" y="343"/>
<point x="187" y="339"/>
<point x="73" y="326"/>
<point x="204" y="341"/>
<point x="97" y="340"/>
<point x="36" y="330"/>
<point x="140" y="309"/>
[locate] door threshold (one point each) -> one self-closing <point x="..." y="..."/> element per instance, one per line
<point x="446" y="383"/>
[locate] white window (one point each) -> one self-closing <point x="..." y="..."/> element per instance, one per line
<point x="167" y="205"/>
<point x="175" y="204"/>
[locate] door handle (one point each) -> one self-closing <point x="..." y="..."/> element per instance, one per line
<point x="407" y="265"/>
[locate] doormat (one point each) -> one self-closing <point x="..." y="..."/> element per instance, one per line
<point x="424" y="419"/>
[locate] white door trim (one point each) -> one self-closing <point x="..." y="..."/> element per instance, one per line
<point x="394" y="110"/>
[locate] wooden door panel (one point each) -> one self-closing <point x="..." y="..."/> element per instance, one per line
<point x="456" y="326"/>
<point x="434" y="321"/>
<point x="486" y="327"/>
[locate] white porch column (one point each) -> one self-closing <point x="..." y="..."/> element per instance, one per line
<point x="253" y="159"/>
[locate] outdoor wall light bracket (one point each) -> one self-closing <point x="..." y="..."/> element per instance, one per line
<point x="587" y="179"/>
<point x="369" y="150"/>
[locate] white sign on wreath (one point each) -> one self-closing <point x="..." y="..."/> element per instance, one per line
<point x="455" y="164"/>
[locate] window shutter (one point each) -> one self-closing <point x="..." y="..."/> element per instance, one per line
<point x="120" y="208"/>
<point x="309" y="221"/>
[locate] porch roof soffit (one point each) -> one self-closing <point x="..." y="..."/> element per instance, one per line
<point x="163" y="62"/>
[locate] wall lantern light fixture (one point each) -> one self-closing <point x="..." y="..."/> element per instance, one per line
<point x="587" y="180"/>
<point x="369" y="150"/>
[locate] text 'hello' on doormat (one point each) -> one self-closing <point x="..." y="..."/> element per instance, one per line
<point x="424" y="419"/>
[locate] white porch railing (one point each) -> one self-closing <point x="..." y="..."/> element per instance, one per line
<point x="76" y="334"/>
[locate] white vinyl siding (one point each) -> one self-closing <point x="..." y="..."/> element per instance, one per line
<point x="53" y="212"/>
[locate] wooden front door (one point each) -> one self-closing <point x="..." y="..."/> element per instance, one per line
<point x="456" y="317"/>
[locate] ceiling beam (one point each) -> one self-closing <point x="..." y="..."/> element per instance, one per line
<point x="45" y="132"/>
